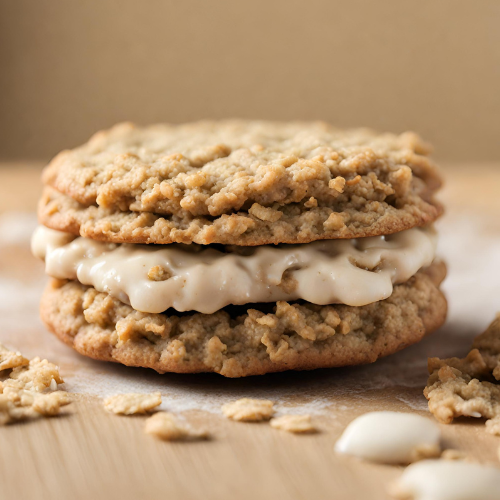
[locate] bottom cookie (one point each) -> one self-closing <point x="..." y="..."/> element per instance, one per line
<point x="239" y="341"/>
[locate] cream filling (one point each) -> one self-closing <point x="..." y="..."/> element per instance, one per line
<point x="448" y="480"/>
<point x="205" y="279"/>
<point x="389" y="437"/>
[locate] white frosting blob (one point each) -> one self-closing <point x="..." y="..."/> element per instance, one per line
<point x="388" y="437"/>
<point x="205" y="279"/>
<point x="449" y="480"/>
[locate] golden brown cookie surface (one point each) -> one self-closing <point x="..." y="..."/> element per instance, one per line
<point x="295" y="225"/>
<point x="240" y="182"/>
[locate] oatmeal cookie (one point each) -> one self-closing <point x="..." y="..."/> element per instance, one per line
<point x="245" y="340"/>
<point x="243" y="183"/>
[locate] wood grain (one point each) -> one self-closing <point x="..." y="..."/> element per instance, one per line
<point x="87" y="453"/>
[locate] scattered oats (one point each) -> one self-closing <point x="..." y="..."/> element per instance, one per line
<point x="49" y="405"/>
<point x="464" y="386"/>
<point x="166" y="426"/>
<point x="249" y="410"/>
<point x="132" y="403"/>
<point x="38" y="375"/>
<point x="31" y="405"/>
<point x="11" y="359"/>
<point x="10" y="412"/>
<point x="30" y="391"/>
<point x="299" y="424"/>
<point x="453" y="455"/>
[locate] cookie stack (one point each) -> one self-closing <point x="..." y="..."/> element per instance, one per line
<point x="241" y="247"/>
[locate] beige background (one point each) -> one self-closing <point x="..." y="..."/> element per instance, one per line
<point x="68" y="68"/>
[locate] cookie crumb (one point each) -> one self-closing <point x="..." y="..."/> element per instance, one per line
<point x="30" y="390"/>
<point x="462" y="386"/>
<point x="166" y="426"/>
<point x="132" y="403"/>
<point x="159" y="273"/>
<point x="288" y="282"/>
<point x="11" y="359"/>
<point x="249" y="410"/>
<point x="49" y="405"/>
<point x="38" y="375"/>
<point x="298" y="424"/>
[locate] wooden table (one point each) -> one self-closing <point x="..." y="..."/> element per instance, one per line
<point x="87" y="453"/>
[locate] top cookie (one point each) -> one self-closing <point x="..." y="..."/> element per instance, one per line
<point x="203" y="174"/>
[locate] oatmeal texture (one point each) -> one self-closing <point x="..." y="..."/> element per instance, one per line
<point x="216" y="167"/>
<point x="243" y="183"/>
<point x="245" y="340"/>
<point x="62" y="213"/>
<point x="249" y="410"/>
<point x="297" y="424"/>
<point x="168" y="427"/>
<point x="468" y="386"/>
<point x="11" y="359"/>
<point x="29" y="389"/>
<point x="132" y="403"/>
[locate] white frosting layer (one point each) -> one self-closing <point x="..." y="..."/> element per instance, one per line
<point x="352" y="272"/>
<point x="449" y="480"/>
<point x="388" y="437"/>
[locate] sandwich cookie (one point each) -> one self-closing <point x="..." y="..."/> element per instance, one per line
<point x="241" y="247"/>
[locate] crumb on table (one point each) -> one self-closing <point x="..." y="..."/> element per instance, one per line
<point x="132" y="403"/>
<point x="298" y="424"/>
<point x="167" y="426"/>
<point x="249" y="410"/>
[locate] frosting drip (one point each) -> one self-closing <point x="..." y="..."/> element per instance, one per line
<point x="155" y="278"/>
